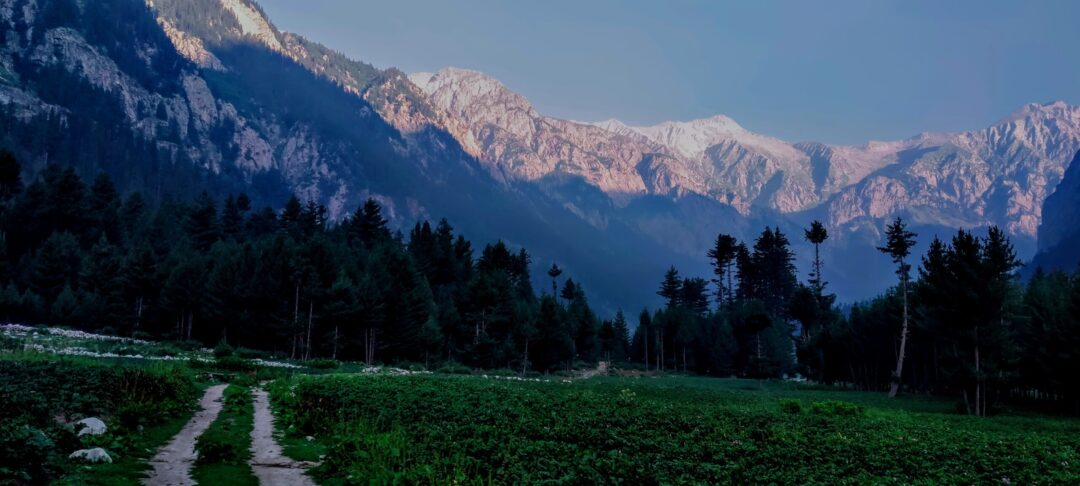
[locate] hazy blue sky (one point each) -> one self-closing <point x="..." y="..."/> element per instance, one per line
<point x="829" y="71"/>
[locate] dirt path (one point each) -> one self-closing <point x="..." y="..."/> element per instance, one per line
<point x="172" y="464"/>
<point x="267" y="461"/>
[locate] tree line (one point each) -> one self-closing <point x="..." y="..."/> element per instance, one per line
<point x="962" y="325"/>
<point x="287" y="281"/>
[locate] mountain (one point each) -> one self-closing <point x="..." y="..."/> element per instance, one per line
<point x="1059" y="233"/>
<point x="178" y="96"/>
<point x="939" y="181"/>
<point x="173" y="97"/>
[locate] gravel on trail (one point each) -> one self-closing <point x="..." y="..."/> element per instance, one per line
<point x="267" y="462"/>
<point x="172" y="464"/>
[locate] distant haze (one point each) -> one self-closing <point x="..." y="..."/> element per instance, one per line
<point x="838" y="72"/>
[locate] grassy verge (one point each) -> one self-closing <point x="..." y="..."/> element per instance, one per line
<point x="41" y="396"/>
<point x="300" y="448"/>
<point x="130" y="468"/>
<point x="225" y="448"/>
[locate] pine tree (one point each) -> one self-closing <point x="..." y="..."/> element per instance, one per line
<point x="554" y="272"/>
<point x="898" y="243"/>
<point x="817" y="234"/>
<point x="671" y="288"/>
<point x="55" y="265"/>
<point x="232" y="219"/>
<point x="722" y="256"/>
<point x="622" y="337"/>
<point x="201" y="223"/>
<point x="139" y="280"/>
<point x="367" y="225"/>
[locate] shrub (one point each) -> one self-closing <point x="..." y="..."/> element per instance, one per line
<point x="166" y="349"/>
<point x="837" y="408"/>
<point x="24" y="453"/>
<point x="323" y="364"/>
<point x="248" y="353"/>
<point x="233" y="363"/>
<point x="223" y="350"/>
<point x="189" y="345"/>
<point x="454" y="368"/>
<point x="8" y="343"/>
<point x="790" y="406"/>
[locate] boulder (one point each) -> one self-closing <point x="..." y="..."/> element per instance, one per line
<point x="94" y="455"/>
<point x="90" y="426"/>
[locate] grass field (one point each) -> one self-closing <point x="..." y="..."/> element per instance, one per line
<point x="672" y="430"/>
<point x="379" y="426"/>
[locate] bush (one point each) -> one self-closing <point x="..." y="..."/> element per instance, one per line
<point x="167" y="349"/>
<point x="454" y="368"/>
<point x="790" y="406"/>
<point x="189" y="345"/>
<point x="223" y="350"/>
<point x="233" y="363"/>
<point x="323" y="364"/>
<point x="837" y="408"/>
<point x="24" y="453"/>
<point x="8" y="343"/>
<point x="248" y="353"/>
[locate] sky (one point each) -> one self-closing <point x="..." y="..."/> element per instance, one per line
<point x="835" y="72"/>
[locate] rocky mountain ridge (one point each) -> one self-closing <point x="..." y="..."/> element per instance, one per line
<point x="998" y="175"/>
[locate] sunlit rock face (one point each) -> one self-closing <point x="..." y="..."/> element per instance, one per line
<point x="996" y="176"/>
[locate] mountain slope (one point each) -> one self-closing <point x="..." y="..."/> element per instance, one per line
<point x="186" y="95"/>
<point x="1059" y="234"/>
<point x="998" y="175"/>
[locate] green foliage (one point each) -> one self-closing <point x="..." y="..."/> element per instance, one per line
<point x="452" y="368"/>
<point x="439" y="429"/>
<point x="290" y="282"/>
<point x="837" y="408"/>
<point x="228" y="440"/>
<point x="223" y="350"/>
<point x="248" y="353"/>
<point x="790" y="406"/>
<point x="225" y="448"/>
<point x="234" y="363"/>
<point x="37" y="392"/>
<point x="322" y="364"/>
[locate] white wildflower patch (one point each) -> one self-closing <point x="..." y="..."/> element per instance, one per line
<point x="274" y="364"/>
<point x="19" y="329"/>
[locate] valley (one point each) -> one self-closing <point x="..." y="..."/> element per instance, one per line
<point x="231" y="254"/>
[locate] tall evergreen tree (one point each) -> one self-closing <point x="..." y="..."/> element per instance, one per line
<point x="671" y="288"/>
<point x="898" y="244"/>
<point x="722" y="257"/>
<point x="816" y="234"/>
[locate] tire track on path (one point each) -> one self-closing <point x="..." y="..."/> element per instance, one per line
<point x="172" y="464"/>
<point x="267" y="461"/>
